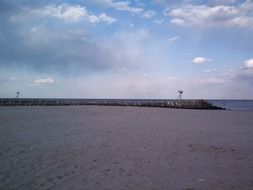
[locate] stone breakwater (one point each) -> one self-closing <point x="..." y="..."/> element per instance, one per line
<point x="183" y="104"/>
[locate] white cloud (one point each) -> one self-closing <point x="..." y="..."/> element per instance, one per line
<point x="148" y="14"/>
<point x="119" y="5"/>
<point x="65" y="11"/>
<point x="159" y="21"/>
<point x="172" y="2"/>
<point x="13" y="78"/>
<point x="212" y="81"/>
<point x="43" y="81"/>
<point x="210" y="70"/>
<point x="104" y="18"/>
<point x="174" y="38"/>
<point x="249" y="64"/>
<point x="223" y="2"/>
<point x="125" y="6"/>
<point x="200" y="60"/>
<point x="177" y="21"/>
<point x="212" y="16"/>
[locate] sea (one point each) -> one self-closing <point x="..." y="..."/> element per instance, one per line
<point x="234" y="105"/>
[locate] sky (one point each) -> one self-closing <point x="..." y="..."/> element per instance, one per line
<point x="126" y="49"/>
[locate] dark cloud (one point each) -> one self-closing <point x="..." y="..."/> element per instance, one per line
<point x="48" y="45"/>
<point x="58" y="52"/>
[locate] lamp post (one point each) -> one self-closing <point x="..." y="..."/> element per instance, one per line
<point x="180" y="92"/>
<point x="17" y="96"/>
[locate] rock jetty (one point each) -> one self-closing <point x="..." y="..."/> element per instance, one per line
<point x="182" y="104"/>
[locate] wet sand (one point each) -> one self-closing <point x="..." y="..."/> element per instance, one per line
<point x="107" y="148"/>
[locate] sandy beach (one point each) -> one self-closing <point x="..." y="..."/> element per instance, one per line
<point x="120" y="148"/>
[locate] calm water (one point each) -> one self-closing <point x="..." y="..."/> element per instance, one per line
<point x="235" y="105"/>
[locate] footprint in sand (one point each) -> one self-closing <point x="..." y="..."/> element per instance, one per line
<point x="59" y="177"/>
<point x="121" y="171"/>
<point x="50" y="180"/>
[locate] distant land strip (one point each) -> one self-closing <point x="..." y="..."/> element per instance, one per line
<point x="182" y="104"/>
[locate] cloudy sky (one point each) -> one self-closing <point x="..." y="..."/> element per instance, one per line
<point x="126" y="48"/>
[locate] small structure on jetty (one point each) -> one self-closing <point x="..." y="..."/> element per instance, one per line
<point x="180" y="92"/>
<point x="17" y="94"/>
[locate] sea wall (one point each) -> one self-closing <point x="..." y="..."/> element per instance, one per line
<point x="184" y="104"/>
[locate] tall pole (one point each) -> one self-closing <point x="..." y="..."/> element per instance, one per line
<point x="17" y="96"/>
<point x="180" y="92"/>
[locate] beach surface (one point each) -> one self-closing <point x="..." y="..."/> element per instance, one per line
<point x="121" y="148"/>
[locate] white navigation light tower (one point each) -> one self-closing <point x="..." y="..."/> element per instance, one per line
<point x="180" y="92"/>
<point x="18" y="93"/>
